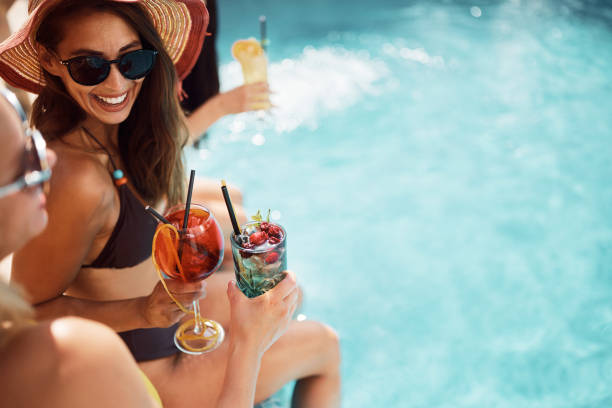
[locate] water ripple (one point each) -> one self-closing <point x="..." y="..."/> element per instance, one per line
<point x="311" y="86"/>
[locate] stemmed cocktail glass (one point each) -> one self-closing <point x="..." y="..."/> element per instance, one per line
<point x="190" y="253"/>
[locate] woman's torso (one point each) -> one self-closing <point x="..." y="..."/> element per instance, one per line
<point x="107" y="282"/>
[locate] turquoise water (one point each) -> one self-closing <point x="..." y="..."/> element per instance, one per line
<point x="443" y="171"/>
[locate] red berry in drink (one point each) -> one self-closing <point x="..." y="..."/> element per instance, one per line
<point x="273" y="240"/>
<point x="246" y="254"/>
<point x="248" y="245"/>
<point x="275" y="231"/>
<point x="264" y="226"/>
<point x="258" y="238"/>
<point x="271" y="258"/>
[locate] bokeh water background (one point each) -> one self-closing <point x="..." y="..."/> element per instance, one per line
<point x="444" y="172"/>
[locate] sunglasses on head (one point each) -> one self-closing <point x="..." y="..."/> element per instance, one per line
<point x="36" y="166"/>
<point x="91" y="70"/>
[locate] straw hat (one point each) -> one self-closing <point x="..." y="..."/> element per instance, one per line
<point x="181" y="25"/>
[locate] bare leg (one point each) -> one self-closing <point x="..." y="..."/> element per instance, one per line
<point x="210" y="190"/>
<point x="215" y="305"/>
<point x="308" y="352"/>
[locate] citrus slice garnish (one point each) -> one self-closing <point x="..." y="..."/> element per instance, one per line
<point x="246" y="49"/>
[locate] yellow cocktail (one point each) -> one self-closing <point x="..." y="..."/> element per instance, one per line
<point x="254" y="63"/>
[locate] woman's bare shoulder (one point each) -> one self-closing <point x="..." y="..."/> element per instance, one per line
<point x="76" y="166"/>
<point x="69" y="362"/>
<point x="80" y="176"/>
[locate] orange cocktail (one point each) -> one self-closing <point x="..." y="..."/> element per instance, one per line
<point x="191" y="254"/>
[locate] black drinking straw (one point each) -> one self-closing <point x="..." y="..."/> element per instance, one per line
<point x="187" y="205"/>
<point x="156" y="215"/>
<point x="230" y="208"/>
<point x="262" y="33"/>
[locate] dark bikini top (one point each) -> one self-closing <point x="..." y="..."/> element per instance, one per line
<point x="131" y="240"/>
<point x="130" y="244"/>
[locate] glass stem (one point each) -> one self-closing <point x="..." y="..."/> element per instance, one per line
<point x="197" y="328"/>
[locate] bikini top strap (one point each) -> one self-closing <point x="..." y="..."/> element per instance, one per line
<point x="118" y="176"/>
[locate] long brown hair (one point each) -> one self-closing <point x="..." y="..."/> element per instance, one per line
<point x="152" y="138"/>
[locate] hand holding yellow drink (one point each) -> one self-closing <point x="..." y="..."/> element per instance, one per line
<point x="254" y="63"/>
<point x="253" y="60"/>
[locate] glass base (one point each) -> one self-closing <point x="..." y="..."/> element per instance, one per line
<point x="189" y="342"/>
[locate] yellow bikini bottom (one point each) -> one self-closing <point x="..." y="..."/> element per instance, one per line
<point x="151" y="388"/>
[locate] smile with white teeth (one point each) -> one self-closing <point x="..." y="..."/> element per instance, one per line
<point x="112" y="101"/>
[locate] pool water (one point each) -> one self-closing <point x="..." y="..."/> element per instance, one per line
<point x="444" y="172"/>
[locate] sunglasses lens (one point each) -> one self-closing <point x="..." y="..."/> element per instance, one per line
<point x="89" y="70"/>
<point x="32" y="161"/>
<point x="36" y="151"/>
<point x="137" y="64"/>
<point x="36" y="165"/>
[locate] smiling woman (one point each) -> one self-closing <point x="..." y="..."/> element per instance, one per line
<point x="108" y="105"/>
<point x="109" y="99"/>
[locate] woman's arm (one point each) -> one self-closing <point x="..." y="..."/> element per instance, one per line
<point x="240" y="377"/>
<point x="255" y="325"/>
<point x="82" y="207"/>
<point x="241" y="99"/>
<point x="154" y="310"/>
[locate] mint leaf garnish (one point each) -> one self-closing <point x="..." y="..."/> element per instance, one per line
<point x="259" y="219"/>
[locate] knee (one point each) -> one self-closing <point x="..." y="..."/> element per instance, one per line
<point x="300" y="299"/>
<point x="235" y="194"/>
<point x="330" y="346"/>
<point x="334" y="340"/>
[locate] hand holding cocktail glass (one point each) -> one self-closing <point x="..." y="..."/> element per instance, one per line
<point x="254" y="64"/>
<point x="244" y="98"/>
<point x="259" y="249"/>
<point x="156" y="309"/>
<point x="271" y="291"/>
<point x="263" y="319"/>
<point x="188" y="247"/>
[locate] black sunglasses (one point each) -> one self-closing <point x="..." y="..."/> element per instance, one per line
<point x="36" y="166"/>
<point x="92" y="70"/>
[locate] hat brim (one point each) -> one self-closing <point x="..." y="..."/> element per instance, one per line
<point x="181" y="25"/>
